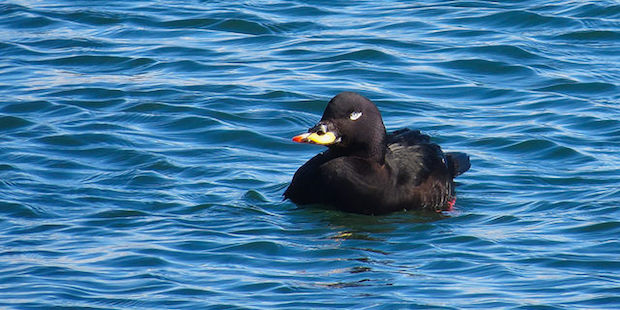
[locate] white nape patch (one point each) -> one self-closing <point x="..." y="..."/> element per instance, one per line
<point x="355" y="115"/>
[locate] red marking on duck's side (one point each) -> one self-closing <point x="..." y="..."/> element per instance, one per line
<point x="451" y="204"/>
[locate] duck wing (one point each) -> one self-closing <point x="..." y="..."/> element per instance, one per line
<point x="407" y="136"/>
<point x="420" y="172"/>
<point x="457" y="162"/>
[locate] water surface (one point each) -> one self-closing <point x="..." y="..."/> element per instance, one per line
<point x="145" y="146"/>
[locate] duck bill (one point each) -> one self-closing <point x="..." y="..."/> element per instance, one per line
<point x="314" y="138"/>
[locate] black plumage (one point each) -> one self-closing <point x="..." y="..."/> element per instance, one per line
<point x="365" y="170"/>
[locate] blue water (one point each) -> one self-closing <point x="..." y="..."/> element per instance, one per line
<point x="145" y="146"/>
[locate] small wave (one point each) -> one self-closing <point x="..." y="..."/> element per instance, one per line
<point x="519" y="19"/>
<point x="8" y="123"/>
<point x="90" y="93"/>
<point x="487" y="67"/>
<point x="19" y="210"/>
<point x="241" y="26"/>
<point x="544" y="149"/>
<point x="81" y="140"/>
<point x="594" y="10"/>
<point x="24" y="21"/>
<point x="607" y="228"/>
<point x="131" y="260"/>
<point x="10" y="49"/>
<point x="504" y="51"/>
<point x="101" y="63"/>
<point x="189" y="23"/>
<point x="359" y="55"/>
<point x="63" y="44"/>
<point x="590" y="35"/>
<point x="591" y="88"/>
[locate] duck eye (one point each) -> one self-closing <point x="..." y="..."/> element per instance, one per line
<point x="355" y="115"/>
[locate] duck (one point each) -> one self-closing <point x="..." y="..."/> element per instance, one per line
<point x="366" y="170"/>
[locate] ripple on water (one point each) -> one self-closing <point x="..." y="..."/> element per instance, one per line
<point x="10" y="123"/>
<point x="96" y="62"/>
<point x="590" y="35"/>
<point x="518" y="19"/>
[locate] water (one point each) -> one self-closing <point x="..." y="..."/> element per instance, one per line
<point x="145" y="147"/>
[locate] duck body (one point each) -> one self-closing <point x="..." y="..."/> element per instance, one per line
<point x="365" y="170"/>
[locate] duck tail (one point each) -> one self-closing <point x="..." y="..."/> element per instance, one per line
<point x="457" y="162"/>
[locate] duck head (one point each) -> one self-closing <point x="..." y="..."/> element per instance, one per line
<point x="351" y="124"/>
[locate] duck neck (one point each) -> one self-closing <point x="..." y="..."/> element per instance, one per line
<point x="372" y="151"/>
<point x="377" y="149"/>
<point x="376" y="152"/>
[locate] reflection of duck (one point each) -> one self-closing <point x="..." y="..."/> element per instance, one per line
<point x="365" y="170"/>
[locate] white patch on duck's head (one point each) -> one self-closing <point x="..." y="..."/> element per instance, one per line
<point x="355" y="115"/>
